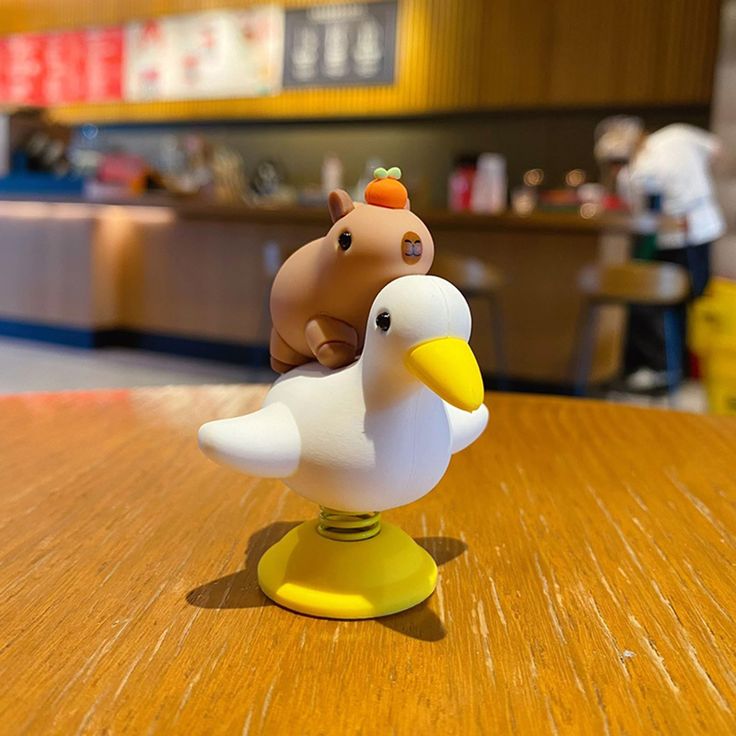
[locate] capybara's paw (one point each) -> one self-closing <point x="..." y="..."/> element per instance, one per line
<point x="279" y="367"/>
<point x="335" y="354"/>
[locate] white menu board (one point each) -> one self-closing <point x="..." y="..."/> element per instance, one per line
<point x="262" y="47"/>
<point x="148" y="68"/>
<point x="214" y="54"/>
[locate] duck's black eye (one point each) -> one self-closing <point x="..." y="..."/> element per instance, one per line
<point x="345" y="240"/>
<point x="383" y="321"/>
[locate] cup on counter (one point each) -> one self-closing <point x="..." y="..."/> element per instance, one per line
<point x="460" y="184"/>
<point x="489" y="185"/>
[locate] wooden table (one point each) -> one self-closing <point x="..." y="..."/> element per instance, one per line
<point x="587" y="552"/>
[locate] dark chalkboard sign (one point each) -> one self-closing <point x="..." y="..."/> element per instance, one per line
<point x="338" y="45"/>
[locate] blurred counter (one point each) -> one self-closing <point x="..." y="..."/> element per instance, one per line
<point x="194" y="277"/>
<point x="540" y="220"/>
<point x="195" y="209"/>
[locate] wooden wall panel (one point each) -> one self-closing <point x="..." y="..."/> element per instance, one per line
<point x="515" y="53"/>
<point x="633" y="51"/>
<point x="456" y="55"/>
<point x="724" y="126"/>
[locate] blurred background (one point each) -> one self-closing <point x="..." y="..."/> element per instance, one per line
<point x="574" y="160"/>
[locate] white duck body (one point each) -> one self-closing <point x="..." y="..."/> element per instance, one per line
<point x="390" y="458"/>
<point x="370" y="436"/>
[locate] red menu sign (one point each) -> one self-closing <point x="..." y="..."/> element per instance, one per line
<point x="63" y="67"/>
<point x="4" y="70"/>
<point x="26" y="68"/>
<point x="66" y="67"/>
<point x="104" y="64"/>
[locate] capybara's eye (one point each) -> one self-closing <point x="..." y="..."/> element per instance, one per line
<point x="345" y="240"/>
<point x="383" y="321"/>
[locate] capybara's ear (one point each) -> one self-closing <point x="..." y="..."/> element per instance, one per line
<point x="339" y="204"/>
<point x="407" y="205"/>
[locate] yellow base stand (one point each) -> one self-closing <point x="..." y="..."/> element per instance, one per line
<point x="310" y="573"/>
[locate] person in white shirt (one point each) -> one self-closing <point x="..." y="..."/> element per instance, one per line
<point x="670" y="166"/>
<point x="676" y="161"/>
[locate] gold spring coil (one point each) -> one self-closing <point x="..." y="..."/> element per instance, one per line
<point x="347" y="527"/>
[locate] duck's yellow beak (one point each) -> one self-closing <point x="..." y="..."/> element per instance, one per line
<point x="448" y="367"/>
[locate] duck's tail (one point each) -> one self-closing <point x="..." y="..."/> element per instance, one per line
<point x="265" y="443"/>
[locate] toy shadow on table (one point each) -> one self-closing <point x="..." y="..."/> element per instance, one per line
<point x="240" y="589"/>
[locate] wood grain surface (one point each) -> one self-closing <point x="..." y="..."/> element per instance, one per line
<point x="586" y="552"/>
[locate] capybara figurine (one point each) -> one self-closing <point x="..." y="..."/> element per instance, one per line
<point x="323" y="292"/>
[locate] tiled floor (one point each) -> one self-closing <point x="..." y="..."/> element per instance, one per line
<point x="30" y="366"/>
<point x="690" y="397"/>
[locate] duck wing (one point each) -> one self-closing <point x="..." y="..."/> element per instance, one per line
<point x="265" y="443"/>
<point x="465" y="426"/>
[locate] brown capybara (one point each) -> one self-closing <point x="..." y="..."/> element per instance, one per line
<point x="323" y="292"/>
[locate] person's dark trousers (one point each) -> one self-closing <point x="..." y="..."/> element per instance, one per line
<point x="645" y="339"/>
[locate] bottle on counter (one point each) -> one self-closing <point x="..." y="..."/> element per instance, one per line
<point x="365" y="178"/>
<point x="489" y="185"/>
<point x="460" y="184"/>
<point x="332" y="171"/>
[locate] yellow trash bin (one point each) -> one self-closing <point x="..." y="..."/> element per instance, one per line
<point x="720" y="378"/>
<point x="712" y="337"/>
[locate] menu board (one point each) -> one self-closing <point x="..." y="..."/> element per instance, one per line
<point x="261" y="48"/>
<point x="229" y="54"/>
<point x="104" y="71"/>
<point x="205" y="55"/>
<point x="62" y="67"/>
<point x="4" y="70"/>
<point x="213" y="54"/>
<point x="338" y="45"/>
<point x="26" y="65"/>
<point x="65" y="67"/>
<point x="246" y="52"/>
<point x="149" y="55"/>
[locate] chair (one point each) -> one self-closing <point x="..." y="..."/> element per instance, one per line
<point x="475" y="279"/>
<point x="661" y="285"/>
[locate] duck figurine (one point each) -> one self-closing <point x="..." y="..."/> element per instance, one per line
<point x="369" y="437"/>
<point x="322" y="293"/>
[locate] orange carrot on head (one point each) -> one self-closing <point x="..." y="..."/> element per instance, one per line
<point x="386" y="190"/>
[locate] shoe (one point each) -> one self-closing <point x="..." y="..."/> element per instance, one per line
<point x="646" y="379"/>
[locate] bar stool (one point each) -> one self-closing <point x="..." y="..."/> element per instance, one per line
<point x="661" y="285"/>
<point x="476" y="279"/>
